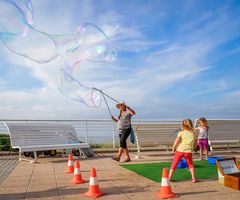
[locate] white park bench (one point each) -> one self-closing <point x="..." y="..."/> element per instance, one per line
<point x="224" y="132"/>
<point x="155" y="134"/>
<point x="40" y="137"/>
<point x="221" y="132"/>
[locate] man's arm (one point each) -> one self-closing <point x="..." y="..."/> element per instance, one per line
<point x="131" y="111"/>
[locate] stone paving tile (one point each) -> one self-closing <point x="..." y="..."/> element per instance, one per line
<point x="45" y="198"/>
<point x="42" y="194"/>
<point x="46" y="180"/>
<point x="17" y="196"/>
<point x="7" y="165"/>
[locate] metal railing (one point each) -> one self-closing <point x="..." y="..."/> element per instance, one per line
<point x="104" y="131"/>
<point x="90" y="131"/>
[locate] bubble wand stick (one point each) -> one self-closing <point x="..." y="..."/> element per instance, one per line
<point x="103" y="94"/>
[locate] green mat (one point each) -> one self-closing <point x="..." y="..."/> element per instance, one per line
<point x="153" y="171"/>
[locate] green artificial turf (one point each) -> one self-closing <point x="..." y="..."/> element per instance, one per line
<point x="153" y="171"/>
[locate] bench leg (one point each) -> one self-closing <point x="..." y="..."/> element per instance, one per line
<point x="21" y="158"/>
<point x="81" y="154"/>
<point x="228" y="147"/>
<point x="211" y="147"/>
<point x="35" y="157"/>
<point x="167" y="148"/>
<point x="20" y="155"/>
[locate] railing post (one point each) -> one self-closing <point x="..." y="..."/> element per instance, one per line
<point x="138" y="146"/>
<point x="113" y="128"/>
<point x="86" y="131"/>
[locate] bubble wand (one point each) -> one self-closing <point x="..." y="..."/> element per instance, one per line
<point x="104" y="94"/>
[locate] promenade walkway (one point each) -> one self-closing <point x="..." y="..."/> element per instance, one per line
<point x="46" y="180"/>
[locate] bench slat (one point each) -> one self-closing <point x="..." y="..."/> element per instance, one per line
<point x="43" y="136"/>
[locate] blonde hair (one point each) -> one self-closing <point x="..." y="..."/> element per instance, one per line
<point x="203" y="120"/>
<point x="187" y="125"/>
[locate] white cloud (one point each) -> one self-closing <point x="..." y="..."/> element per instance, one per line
<point x="210" y="86"/>
<point x="157" y="65"/>
<point x="235" y="93"/>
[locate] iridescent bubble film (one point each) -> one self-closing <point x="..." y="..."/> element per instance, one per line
<point x="12" y="18"/>
<point x="87" y="44"/>
<point x="75" y="90"/>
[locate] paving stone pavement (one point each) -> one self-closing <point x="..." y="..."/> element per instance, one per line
<point x="46" y="180"/>
<point x="7" y="165"/>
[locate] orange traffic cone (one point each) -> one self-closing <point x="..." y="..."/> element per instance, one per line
<point x="77" y="177"/>
<point x="70" y="168"/>
<point x="94" y="190"/>
<point x="165" y="190"/>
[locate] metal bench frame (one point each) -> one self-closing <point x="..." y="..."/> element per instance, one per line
<point x="227" y="142"/>
<point x="33" y="137"/>
<point x="219" y="131"/>
<point x="224" y="132"/>
<point x="166" y="132"/>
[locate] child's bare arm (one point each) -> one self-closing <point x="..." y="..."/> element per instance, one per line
<point x="175" y="144"/>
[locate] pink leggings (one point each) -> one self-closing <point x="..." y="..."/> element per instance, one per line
<point x="178" y="156"/>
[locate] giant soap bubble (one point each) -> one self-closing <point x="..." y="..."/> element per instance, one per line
<point x="12" y="18"/>
<point x="97" y="46"/>
<point x="88" y="44"/>
<point x="94" y="46"/>
<point x="73" y="89"/>
<point x="35" y="45"/>
<point x="20" y="37"/>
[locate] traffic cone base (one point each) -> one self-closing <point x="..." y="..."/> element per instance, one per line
<point x="166" y="196"/>
<point x="96" y="195"/>
<point x="94" y="190"/>
<point x="165" y="190"/>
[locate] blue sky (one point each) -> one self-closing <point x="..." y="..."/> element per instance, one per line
<point x="175" y="60"/>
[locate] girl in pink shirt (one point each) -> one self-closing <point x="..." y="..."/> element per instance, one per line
<point x="202" y="137"/>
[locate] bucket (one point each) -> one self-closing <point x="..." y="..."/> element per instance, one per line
<point x="212" y="160"/>
<point x="182" y="164"/>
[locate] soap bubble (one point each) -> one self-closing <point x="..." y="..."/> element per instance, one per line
<point x="27" y="9"/>
<point x="93" y="46"/>
<point x="12" y="18"/>
<point x="75" y="90"/>
<point x="37" y="46"/>
<point x="88" y="44"/>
